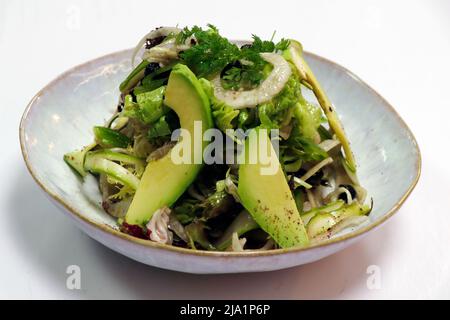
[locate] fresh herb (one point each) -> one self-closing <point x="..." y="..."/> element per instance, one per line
<point x="240" y="67"/>
<point x="211" y="53"/>
<point x="283" y="44"/>
<point x="252" y="69"/>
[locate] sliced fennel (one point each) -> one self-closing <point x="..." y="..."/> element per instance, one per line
<point x="271" y="86"/>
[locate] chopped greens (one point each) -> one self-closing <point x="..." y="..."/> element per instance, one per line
<point x="213" y="53"/>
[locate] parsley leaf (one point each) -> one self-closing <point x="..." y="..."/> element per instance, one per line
<point x="211" y="53"/>
<point x="283" y="44"/>
<point x="240" y="68"/>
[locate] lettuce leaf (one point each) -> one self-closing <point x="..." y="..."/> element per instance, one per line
<point x="278" y="111"/>
<point x="309" y="117"/>
<point x="160" y="128"/>
<point x="148" y="107"/>
<point x="301" y="147"/>
<point x="223" y="114"/>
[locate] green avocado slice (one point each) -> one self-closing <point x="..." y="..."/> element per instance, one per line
<point x="267" y="197"/>
<point x="165" y="180"/>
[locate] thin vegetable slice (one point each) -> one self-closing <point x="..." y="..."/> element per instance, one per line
<point x="134" y="77"/>
<point x="159" y="32"/>
<point x="273" y="84"/>
<point x="97" y="164"/>
<point x="321" y="223"/>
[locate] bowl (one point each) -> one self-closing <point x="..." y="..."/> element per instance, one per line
<point x="61" y="116"/>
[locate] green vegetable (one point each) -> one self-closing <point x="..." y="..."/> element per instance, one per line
<point x="241" y="224"/>
<point x="260" y="199"/>
<point x="324" y="133"/>
<point x="303" y="148"/>
<point x="161" y="73"/>
<point x="279" y="110"/>
<point x="243" y="118"/>
<point x="134" y="77"/>
<point x="186" y="210"/>
<point x="299" y="200"/>
<point x="330" y="207"/>
<point x="293" y="166"/>
<point x="353" y="209"/>
<point x="196" y="234"/>
<point x="219" y="202"/>
<point x="75" y="159"/>
<point x="320" y="223"/>
<point x="295" y="55"/>
<point x="96" y="163"/>
<point x="149" y="86"/>
<point x="250" y="75"/>
<point x="309" y="118"/>
<point x="148" y="108"/>
<point x="213" y="53"/>
<point x="110" y="138"/>
<point x="159" y="129"/>
<point x="165" y="180"/>
<point x="338" y="209"/>
<point x="267" y="197"/>
<point x="122" y="158"/>
<point x="223" y="115"/>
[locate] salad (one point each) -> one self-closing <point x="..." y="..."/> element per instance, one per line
<point x="172" y="162"/>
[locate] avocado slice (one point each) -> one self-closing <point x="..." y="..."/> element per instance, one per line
<point x="164" y="180"/>
<point x="267" y="197"/>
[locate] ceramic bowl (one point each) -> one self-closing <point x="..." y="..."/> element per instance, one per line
<point x="61" y="116"/>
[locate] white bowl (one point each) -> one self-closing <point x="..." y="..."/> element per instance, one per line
<point x="61" y="116"/>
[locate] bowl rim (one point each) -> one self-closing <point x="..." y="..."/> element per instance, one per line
<point x="202" y="253"/>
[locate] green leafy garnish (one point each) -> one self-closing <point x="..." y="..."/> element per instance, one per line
<point x="212" y="53"/>
<point x="251" y="69"/>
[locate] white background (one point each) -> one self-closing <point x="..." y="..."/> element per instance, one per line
<point x="401" y="48"/>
